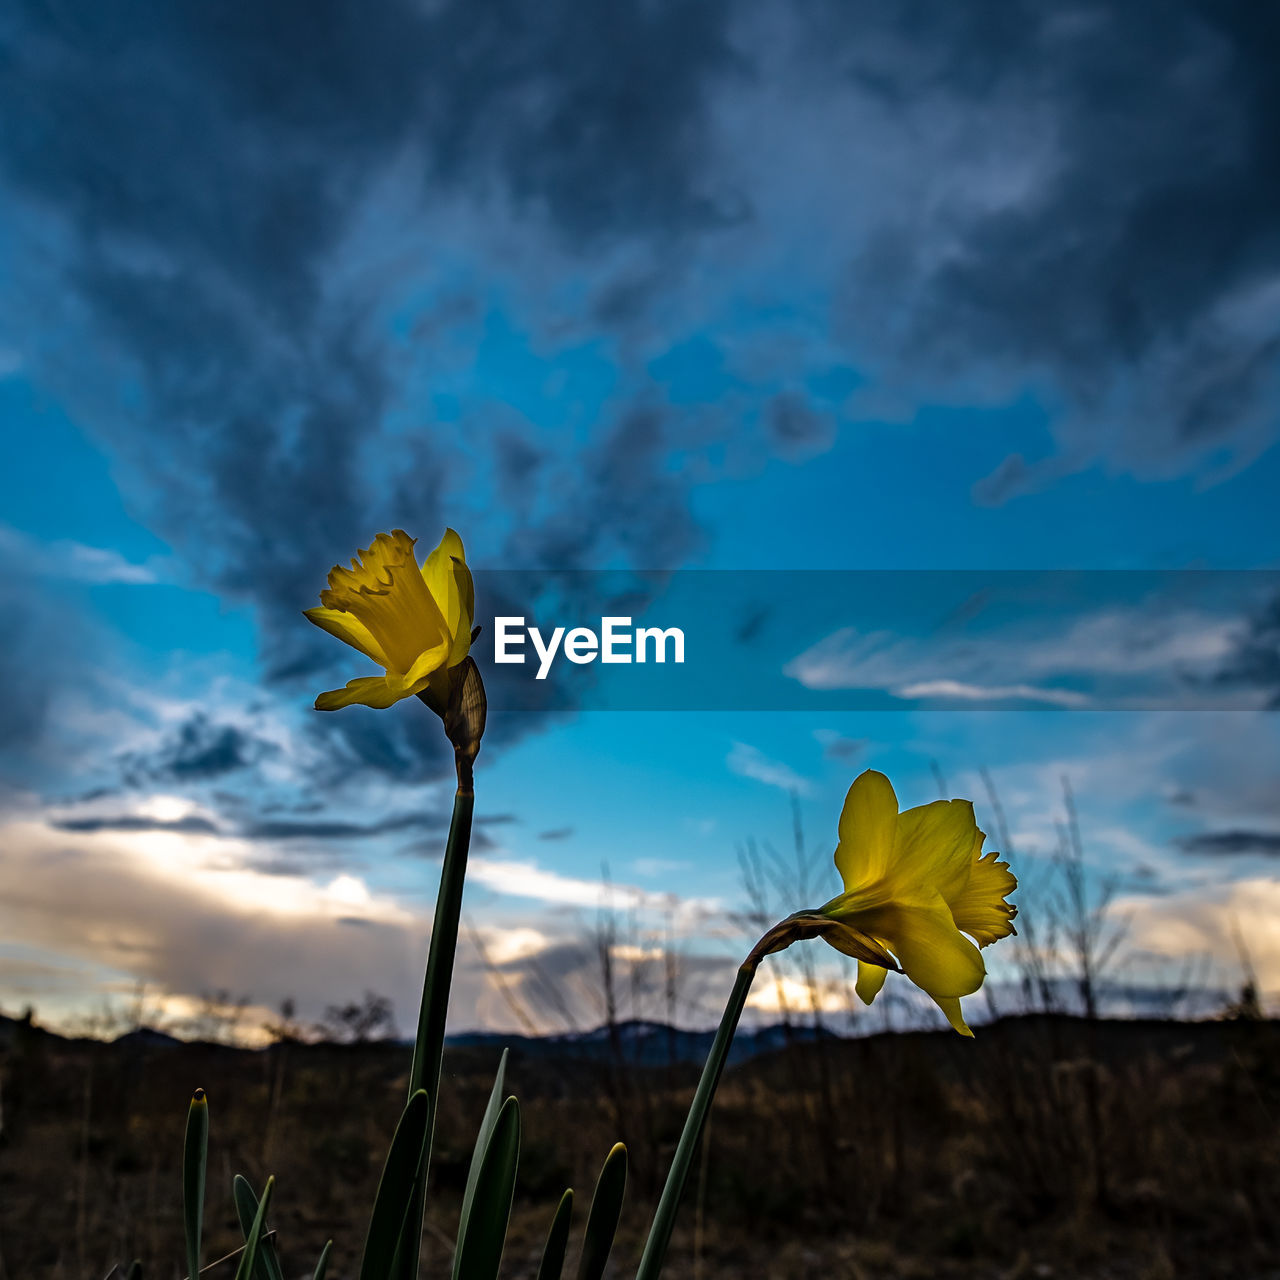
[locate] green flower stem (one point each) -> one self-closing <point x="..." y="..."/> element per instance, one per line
<point x="655" y="1249"/>
<point x="428" y="1049"/>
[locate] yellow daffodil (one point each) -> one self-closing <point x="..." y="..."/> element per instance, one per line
<point x="413" y="622"/>
<point x="917" y="883"/>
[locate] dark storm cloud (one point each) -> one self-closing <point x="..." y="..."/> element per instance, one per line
<point x="627" y="500"/>
<point x="198" y="750"/>
<point x="1137" y="272"/>
<point x="1233" y="843"/>
<point x="265" y="829"/>
<point x="206" y="166"/>
<point x="206" y="161"/>
<point x="191" y="825"/>
<point x="334" y="829"/>
<point x="796" y="426"/>
<point x="1255" y="658"/>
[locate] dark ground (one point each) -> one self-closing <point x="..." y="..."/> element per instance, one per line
<point x="1047" y="1147"/>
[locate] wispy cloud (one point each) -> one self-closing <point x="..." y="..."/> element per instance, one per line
<point x="751" y="762"/>
<point x="1114" y="656"/>
<point x="960" y="691"/>
<point x="77" y="562"/>
<point x="516" y="878"/>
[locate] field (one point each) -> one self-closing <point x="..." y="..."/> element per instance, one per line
<point x="1047" y="1147"/>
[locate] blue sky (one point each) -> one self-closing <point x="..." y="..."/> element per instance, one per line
<point x="741" y="287"/>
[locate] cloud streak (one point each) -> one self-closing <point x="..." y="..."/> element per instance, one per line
<point x="750" y="762"/>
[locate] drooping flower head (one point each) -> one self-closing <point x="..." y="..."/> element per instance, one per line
<point x="413" y="622"/>
<point x="916" y="883"/>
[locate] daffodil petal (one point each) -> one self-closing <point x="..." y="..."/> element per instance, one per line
<point x="980" y="910"/>
<point x="347" y="627"/>
<point x="450" y="583"/>
<point x="933" y="953"/>
<point x="867" y="825"/>
<point x="426" y="663"/>
<point x="950" y="1005"/>
<point x="870" y="979"/>
<point x="933" y="850"/>
<point x="368" y="691"/>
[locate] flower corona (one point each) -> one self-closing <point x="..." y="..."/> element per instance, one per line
<point x="414" y="622"/>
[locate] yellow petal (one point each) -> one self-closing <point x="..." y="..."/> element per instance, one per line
<point x="870" y="979"/>
<point x="933" y="953"/>
<point x="980" y="908"/>
<point x="933" y="851"/>
<point x="449" y="581"/>
<point x="867" y="824"/>
<point x="383" y="691"/>
<point x="368" y="691"/>
<point x="348" y="627"/>
<point x="950" y="1005"/>
<point x="427" y="663"/>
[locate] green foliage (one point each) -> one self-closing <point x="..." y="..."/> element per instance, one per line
<point x="553" y="1251"/>
<point x="253" y="1241"/>
<point x="606" y="1209"/>
<point x="323" y="1264"/>
<point x="480" y="1246"/>
<point x="483" y="1138"/>
<point x="397" y="1188"/>
<point x="247" y="1211"/>
<point x="195" y="1157"/>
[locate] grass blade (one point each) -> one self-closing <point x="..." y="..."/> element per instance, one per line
<point x="664" y="1218"/>
<point x="553" y="1251"/>
<point x="195" y="1158"/>
<point x="133" y="1271"/>
<point x="323" y="1265"/>
<point x="246" y="1209"/>
<point x="250" y="1256"/>
<point x="428" y="1048"/>
<point x="606" y="1209"/>
<point x="487" y="1124"/>
<point x="396" y="1189"/>
<point x="480" y="1248"/>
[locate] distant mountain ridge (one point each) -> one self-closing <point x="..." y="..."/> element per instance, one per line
<point x="641" y="1042"/>
<point x="637" y="1041"/>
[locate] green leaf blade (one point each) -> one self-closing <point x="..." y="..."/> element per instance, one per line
<point x="323" y="1264"/>
<point x="483" y="1138"/>
<point x="195" y="1159"/>
<point x="396" y="1189"/>
<point x="480" y="1248"/>
<point x="250" y="1255"/>
<point x="246" y="1203"/>
<point x="606" y="1210"/>
<point x="552" y="1264"/>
